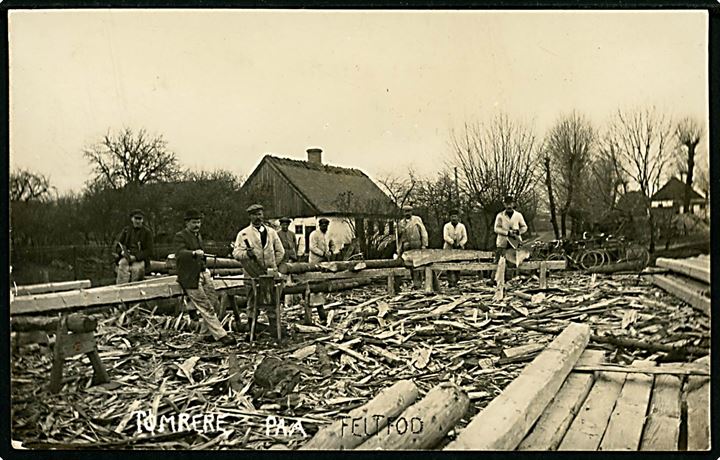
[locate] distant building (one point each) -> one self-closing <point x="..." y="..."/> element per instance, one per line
<point x="308" y="190"/>
<point x="672" y="196"/>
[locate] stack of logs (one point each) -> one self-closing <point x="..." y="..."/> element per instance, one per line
<point x="395" y="420"/>
<point x="688" y="279"/>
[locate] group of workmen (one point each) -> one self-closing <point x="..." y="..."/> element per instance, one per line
<point x="262" y="250"/>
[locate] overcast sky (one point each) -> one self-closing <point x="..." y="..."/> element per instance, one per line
<point x="379" y="91"/>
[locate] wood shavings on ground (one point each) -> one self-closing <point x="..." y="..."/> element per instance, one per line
<point x="263" y="396"/>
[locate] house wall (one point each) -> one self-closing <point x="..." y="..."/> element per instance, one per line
<point x="340" y="231"/>
<point x="270" y="188"/>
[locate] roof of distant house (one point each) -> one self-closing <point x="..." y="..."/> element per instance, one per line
<point x="674" y="189"/>
<point x="333" y="189"/>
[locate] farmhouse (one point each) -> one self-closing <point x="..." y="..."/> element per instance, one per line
<point x="671" y="196"/>
<point x="308" y="190"/>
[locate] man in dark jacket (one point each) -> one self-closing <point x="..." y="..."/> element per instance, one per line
<point x="195" y="278"/>
<point x="287" y="238"/>
<point x="133" y="248"/>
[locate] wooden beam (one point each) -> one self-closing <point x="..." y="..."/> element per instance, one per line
<point x="363" y="274"/>
<point x="480" y="266"/>
<point x="504" y="423"/>
<point x="662" y="428"/>
<point x="683" y="291"/>
<point x="698" y="269"/>
<point x="106" y="295"/>
<point x="543" y="275"/>
<point x="75" y="323"/>
<point x="624" y="429"/>
<point x="391" y="285"/>
<point x="559" y="414"/>
<point x="500" y="280"/>
<point x="429" y="276"/>
<point x="586" y="430"/>
<point x="698" y="413"/>
<point x="361" y="423"/>
<point x="664" y="370"/>
<point x="421" y="257"/>
<point x="334" y="267"/>
<point x="424" y="424"/>
<point x="31" y="289"/>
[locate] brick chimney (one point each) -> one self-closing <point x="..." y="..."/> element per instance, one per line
<point x="314" y="155"/>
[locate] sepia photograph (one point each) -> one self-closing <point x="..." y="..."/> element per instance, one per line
<point x="436" y="230"/>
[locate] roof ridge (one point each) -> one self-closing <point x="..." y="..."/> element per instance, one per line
<point x="318" y="167"/>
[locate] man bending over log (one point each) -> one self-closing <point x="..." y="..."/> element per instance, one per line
<point x="259" y="249"/>
<point x="412" y="235"/>
<point x="194" y="277"/>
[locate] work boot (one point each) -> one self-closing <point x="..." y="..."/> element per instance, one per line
<point x="228" y="340"/>
<point x="321" y="313"/>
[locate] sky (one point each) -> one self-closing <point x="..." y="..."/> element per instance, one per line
<point x="379" y="91"/>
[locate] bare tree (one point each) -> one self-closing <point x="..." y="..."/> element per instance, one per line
<point x="399" y="189"/>
<point x="688" y="133"/>
<point x="642" y="139"/>
<point x="494" y="160"/>
<point x="570" y="145"/>
<point x="29" y="186"/>
<point x="128" y="158"/>
<point x="547" y="168"/>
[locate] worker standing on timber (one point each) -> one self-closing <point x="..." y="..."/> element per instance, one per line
<point x="321" y="246"/>
<point x="287" y="238"/>
<point x="321" y="250"/>
<point x="132" y="249"/>
<point x="509" y="226"/>
<point x="455" y="236"/>
<point x="259" y="249"/>
<point x="412" y="235"/>
<point x="194" y="277"/>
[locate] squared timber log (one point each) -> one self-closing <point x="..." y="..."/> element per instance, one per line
<point x="504" y="423"/>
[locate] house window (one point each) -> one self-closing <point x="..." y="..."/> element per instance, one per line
<point x="298" y="229"/>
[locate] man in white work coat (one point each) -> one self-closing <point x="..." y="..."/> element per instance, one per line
<point x="321" y="250"/>
<point x="259" y="249"/>
<point x="509" y="226"/>
<point x="455" y="237"/>
<point x="412" y="235"/>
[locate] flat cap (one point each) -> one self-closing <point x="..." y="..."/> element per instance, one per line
<point x="509" y="199"/>
<point x="254" y="207"/>
<point x="285" y="219"/>
<point x="136" y="212"/>
<point x="323" y="221"/>
<point x="407" y="207"/>
<point x="192" y="214"/>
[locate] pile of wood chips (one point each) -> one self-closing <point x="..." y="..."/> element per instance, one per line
<point x="371" y="340"/>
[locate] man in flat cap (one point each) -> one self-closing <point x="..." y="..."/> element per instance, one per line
<point x="509" y="226"/>
<point x="287" y="238"/>
<point x="321" y="246"/>
<point x="133" y="247"/>
<point x="321" y="249"/>
<point x="194" y="277"/>
<point x="455" y="236"/>
<point x="259" y="249"/>
<point x="412" y="235"/>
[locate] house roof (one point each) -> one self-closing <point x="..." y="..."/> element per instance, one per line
<point x="332" y="189"/>
<point x="674" y="189"/>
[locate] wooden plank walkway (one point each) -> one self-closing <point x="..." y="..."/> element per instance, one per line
<point x="599" y="407"/>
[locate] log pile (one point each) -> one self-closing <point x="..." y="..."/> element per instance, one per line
<point x="689" y="280"/>
<point x="461" y="339"/>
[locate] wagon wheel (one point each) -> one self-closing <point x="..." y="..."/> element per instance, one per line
<point x="555" y="256"/>
<point x="592" y="259"/>
<point x="639" y="254"/>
